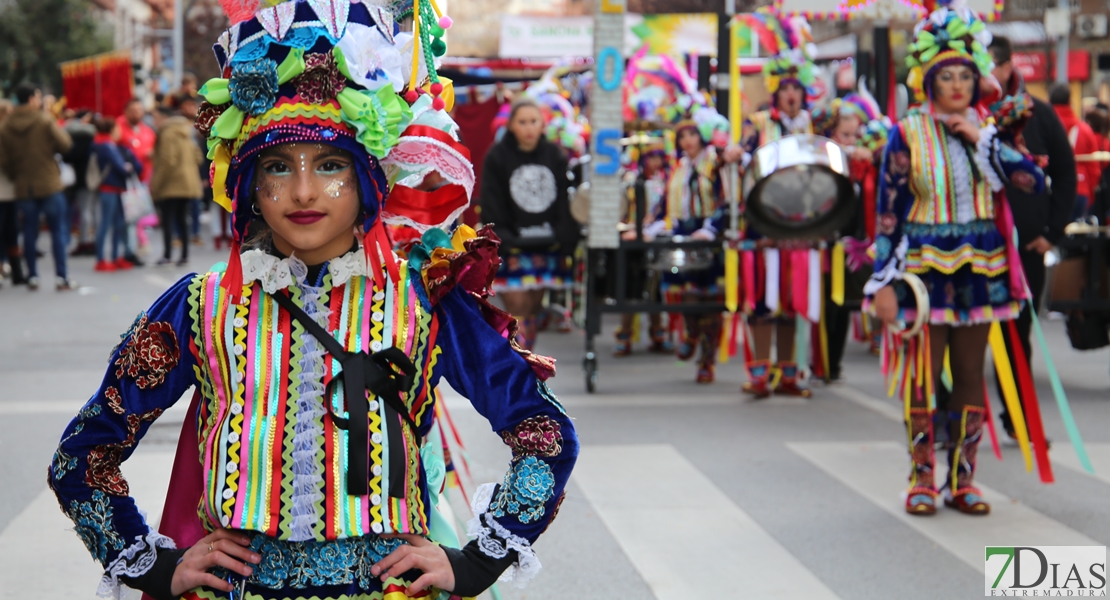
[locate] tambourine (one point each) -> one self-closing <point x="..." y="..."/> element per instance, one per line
<point x="921" y="298"/>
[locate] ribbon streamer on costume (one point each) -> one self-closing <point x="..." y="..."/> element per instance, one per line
<point x="1031" y="405"/>
<point x="1061" y="398"/>
<point x="799" y="278"/>
<point x="838" y="273"/>
<point x="987" y="416"/>
<point x="815" y="285"/>
<point x="732" y="279"/>
<point x="748" y="258"/>
<point x="801" y="342"/>
<point x="1009" y="392"/>
<point x="771" y="272"/>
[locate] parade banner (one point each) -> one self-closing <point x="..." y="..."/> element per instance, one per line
<point x="676" y="35"/>
<point x="101" y="83"/>
<point x="843" y="10"/>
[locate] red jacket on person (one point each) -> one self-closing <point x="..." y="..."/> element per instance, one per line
<point x="1083" y="141"/>
<point x="139" y="139"/>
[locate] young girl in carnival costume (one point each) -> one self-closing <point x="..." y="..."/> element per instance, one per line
<point x="525" y="199"/>
<point x="646" y="183"/>
<point x="782" y="270"/>
<point x="299" y="471"/>
<point x="943" y="217"/>
<point x="695" y="208"/>
<point x="656" y="90"/>
<point x="855" y="123"/>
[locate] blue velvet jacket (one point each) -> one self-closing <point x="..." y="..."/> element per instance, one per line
<point x="271" y="436"/>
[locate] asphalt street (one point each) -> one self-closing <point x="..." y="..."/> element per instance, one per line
<point x="682" y="490"/>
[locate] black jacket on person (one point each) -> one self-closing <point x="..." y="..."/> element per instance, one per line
<point x="1044" y="214"/>
<point x="525" y="193"/>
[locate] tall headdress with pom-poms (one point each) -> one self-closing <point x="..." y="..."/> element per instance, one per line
<point x="793" y="60"/>
<point x="343" y="73"/>
<point x="951" y="34"/>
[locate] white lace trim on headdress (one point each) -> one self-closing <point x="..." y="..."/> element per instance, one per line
<point x="134" y="561"/>
<point x="276" y="273"/>
<point x="527" y="565"/>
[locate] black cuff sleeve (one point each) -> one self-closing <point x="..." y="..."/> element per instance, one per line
<point x="156" y="582"/>
<point x="475" y="571"/>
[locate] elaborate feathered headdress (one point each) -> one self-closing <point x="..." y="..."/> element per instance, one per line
<point x="794" y="59"/>
<point x="337" y="72"/>
<point x="951" y="34"/>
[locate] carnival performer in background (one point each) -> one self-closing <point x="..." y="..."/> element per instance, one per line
<point x="772" y="320"/>
<point x="299" y="472"/>
<point x="855" y="123"/>
<point x="566" y="127"/>
<point x="524" y="198"/>
<point x="695" y="208"/>
<point x="645" y="184"/>
<point x="943" y="216"/>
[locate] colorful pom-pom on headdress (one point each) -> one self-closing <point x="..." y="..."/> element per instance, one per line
<point x="337" y="72"/>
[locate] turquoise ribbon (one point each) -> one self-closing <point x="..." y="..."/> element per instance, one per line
<point x="1061" y="397"/>
<point x="801" y="343"/>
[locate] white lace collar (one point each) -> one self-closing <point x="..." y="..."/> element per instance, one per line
<point x="798" y="124"/>
<point x="276" y="273"/>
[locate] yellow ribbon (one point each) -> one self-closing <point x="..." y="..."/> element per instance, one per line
<point x="838" y="273"/>
<point x="1009" y="392"/>
<point x="732" y="279"/>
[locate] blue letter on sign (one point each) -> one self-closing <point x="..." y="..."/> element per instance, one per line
<point x="608" y="146"/>
<point x="609" y="54"/>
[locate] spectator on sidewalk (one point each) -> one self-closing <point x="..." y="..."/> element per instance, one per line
<point x="188" y="105"/>
<point x="137" y="136"/>
<point x="1039" y="218"/>
<point x="10" y="262"/>
<point x="1083" y="142"/>
<point x="30" y="139"/>
<point x="176" y="181"/>
<point x="114" y="163"/>
<point x="82" y="131"/>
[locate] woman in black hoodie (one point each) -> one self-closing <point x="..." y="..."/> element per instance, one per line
<point x="524" y="198"/>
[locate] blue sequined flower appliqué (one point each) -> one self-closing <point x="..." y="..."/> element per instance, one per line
<point x="93" y="520"/>
<point x="999" y="292"/>
<point x="525" y="492"/>
<point x="254" y="86"/>
<point x="882" y="249"/>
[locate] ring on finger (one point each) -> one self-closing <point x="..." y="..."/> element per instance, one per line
<point x="210" y="548"/>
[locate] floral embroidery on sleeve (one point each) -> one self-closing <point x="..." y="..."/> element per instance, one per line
<point x="526" y="489"/>
<point x="93" y="520"/>
<point x="537" y="436"/>
<point x="149" y="352"/>
<point x="104" y="460"/>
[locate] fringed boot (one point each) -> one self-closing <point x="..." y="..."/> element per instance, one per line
<point x="921" y="499"/>
<point x="759" y="379"/>
<point x="660" y="339"/>
<point x="965" y="430"/>
<point x="789" y="384"/>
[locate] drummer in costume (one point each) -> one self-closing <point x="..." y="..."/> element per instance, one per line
<point x="646" y="182"/>
<point x="854" y="123"/>
<point x="772" y="315"/>
<point x="315" y="353"/>
<point x="943" y="217"/>
<point x="695" y="208"/>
